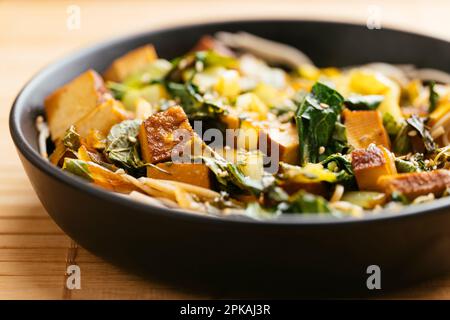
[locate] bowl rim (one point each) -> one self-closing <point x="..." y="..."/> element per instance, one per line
<point x="309" y="220"/>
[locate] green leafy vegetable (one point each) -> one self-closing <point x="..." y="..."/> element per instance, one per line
<point x="433" y="98"/>
<point x="257" y="211"/>
<point x="399" y="197"/>
<point x="391" y="125"/>
<point x="404" y="166"/>
<point x="117" y="89"/>
<point x="341" y="166"/>
<point x="193" y="103"/>
<point x="398" y="133"/>
<point x="212" y="58"/>
<point x="316" y="119"/>
<point x="77" y="167"/>
<point x="369" y="102"/>
<point x="128" y="95"/>
<point x="304" y="202"/>
<point x="71" y="139"/>
<point x="228" y="174"/>
<point x="155" y="72"/>
<point x="198" y="61"/>
<point x="418" y="124"/>
<point x="122" y="147"/>
<point x="401" y="143"/>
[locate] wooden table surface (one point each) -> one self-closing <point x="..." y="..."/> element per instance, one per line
<point x="33" y="250"/>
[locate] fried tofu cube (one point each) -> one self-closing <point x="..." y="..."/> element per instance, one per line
<point x="102" y="118"/>
<point x="73" y="101"/>
<point x="284" y="138"/>
<point x="130" y="63"/>
<point x="365" y="127"/>
<point x="415" y="184"/>
<point x="193" y="173"/>
<point x="162" y="132"/>
<point x="277" y="140"/>
<point x="370" y="164"/>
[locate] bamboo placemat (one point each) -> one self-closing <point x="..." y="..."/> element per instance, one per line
<point x="34" y="252"/>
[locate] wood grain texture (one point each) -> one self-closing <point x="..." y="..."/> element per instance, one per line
<point x="34" y="252"/>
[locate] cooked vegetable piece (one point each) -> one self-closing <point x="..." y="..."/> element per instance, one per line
<point x="369" y="102"/>
<point x="248" y="135"/>
<point x="316" y="118"/>
<point x="73" y="101"/>
<point x="152" y="93"/>
<point x="249" y="102"/>
<point x="368" y="82"/>
<point x="98" y="175"/>
<point x="194" y="104"/>
<point x="122" y="146"/>
<point x="433" y="97"/>
<point x="251" y="164"/>
<point x="228" y="85"/>
<point x="143" y="109"/>
<point x="341" y="166"/>
<point x="304" y="202"/>
<point x="365" y="199"/>
<point x="162" y="132"/>
<point x="370" y="164"/>
<point x="404" y="166"/>
<point x="398" y="133"/>
<point x="102" y="118"/>
<point x="364" y="128"/>
<point x="130" y="63"/>
<point x="311" y="178"/>
<point x="422" y="141"/>
<point x="193" y="173"/>
<point x="415" y="184"/>
<point x="443" y="108"/>
<point x="230" y="175"/>
<point x="66" y="147"/>
<point x="60" y="152"/>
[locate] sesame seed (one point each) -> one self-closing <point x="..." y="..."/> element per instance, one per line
<point x="324" y="105"/>
<point x="321" y="150"/>
<point x="412" y="133"/>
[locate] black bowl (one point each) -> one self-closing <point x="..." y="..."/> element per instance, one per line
<point x="290" y="255"/>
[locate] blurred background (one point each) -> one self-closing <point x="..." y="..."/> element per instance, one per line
<point x="33" y="251"/>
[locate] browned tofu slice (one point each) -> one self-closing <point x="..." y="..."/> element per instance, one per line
<point x="193" y="173"/>
<point x="130" y="63"/>
<point x="284" y="138"/>
<point x="102" y="118"/>
<point x="73" y="101"/>
<point x="370" y="164"/>
<point x="162" y="132"/>
<point x="277" y="140"/>
<point x="416" y="184"/>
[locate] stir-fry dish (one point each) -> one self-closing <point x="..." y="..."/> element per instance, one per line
<point x="242" y="125"/>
